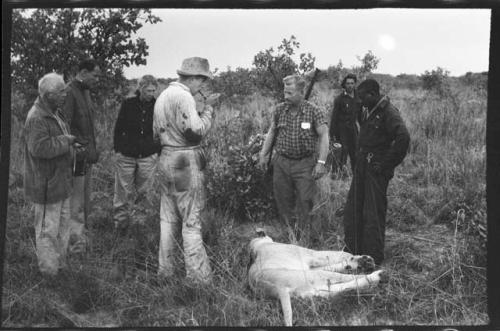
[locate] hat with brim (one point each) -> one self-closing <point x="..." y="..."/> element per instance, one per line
<point x="195" y="66"/>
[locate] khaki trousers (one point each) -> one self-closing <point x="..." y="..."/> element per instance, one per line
<point x="182" y="199"/>
<point x="52" y="233"/>
<point x="132" y="175"/>
<point x="294" y="190"/>
<point x="79" y="205"/>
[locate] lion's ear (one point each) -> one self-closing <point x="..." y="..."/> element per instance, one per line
<point x="260" y="232"/>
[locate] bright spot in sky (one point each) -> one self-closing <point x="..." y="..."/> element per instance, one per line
<point x="387" y="42"/>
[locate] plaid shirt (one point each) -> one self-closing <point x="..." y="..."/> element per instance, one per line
<point x="296" y="135"/>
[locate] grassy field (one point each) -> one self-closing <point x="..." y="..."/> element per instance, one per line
<point x="436" y="258"/>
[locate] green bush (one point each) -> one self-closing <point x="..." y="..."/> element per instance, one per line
<point x="436" y="80"/>
<point x="241" y="189"/>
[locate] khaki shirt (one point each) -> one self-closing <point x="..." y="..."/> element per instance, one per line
<point x="176" y="121"/>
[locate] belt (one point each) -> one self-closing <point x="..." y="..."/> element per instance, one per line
<point x="180" y="148"/>
<point x="294" y="158"/>
<point x="372" y="150"/>
<point x="370" y="153"/>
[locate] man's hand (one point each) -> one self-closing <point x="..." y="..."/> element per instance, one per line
<point x="319" y="171"/>
<point x="79" y="148"/>
<point x="212" y="99"/>
<point x="71" y="138"/>
<point x="262" y="164"/>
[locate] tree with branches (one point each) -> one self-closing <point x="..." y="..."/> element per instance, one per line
<point x="46" y="40"/>
<point x="272" y="66"/>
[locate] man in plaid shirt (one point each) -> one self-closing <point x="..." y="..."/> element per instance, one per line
<point x="297" y="125"/>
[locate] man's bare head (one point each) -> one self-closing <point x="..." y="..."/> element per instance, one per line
<point x="52" y="90"/>
<point x="293" y="89"/>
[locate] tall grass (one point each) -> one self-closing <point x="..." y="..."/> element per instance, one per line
<point x="435" y="256"/>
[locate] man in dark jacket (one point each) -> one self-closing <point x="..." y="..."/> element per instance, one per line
<point x="79" y="112"/>
<point x="343" y="128"/>
<point x="136" y="150"/>
<point x="48" y="150"/>
<point x="382" y="145"/>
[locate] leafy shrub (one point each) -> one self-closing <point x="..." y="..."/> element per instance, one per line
<point x="240" y="188"/>
<point x="237" y="82"/>
<point x="436" y="80"/>
<point x="368" y="63"/>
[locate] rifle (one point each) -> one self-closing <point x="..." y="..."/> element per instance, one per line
<point x="306" y="97"/>
<point x="311" y="84"/>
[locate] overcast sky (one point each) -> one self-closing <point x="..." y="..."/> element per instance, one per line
<point x="406" y="40"/>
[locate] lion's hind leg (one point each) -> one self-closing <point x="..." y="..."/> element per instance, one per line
<point x="331" y="284"/>
<point x="342" y="262"/>
<point x="330" y="260"/>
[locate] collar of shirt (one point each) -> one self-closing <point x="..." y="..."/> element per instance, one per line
<point x="80" y="84"/>
<point x="142" y="102"/>
<point x="46" y="111"/>
<point x="344" y="93"/>
<point x="180" y="85"/>
<point x="381" y="103"/>
<point x="300" y="107"/>
<point x="43" y="107"/>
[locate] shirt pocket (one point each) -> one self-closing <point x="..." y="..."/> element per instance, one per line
<point x="307" y="137"/>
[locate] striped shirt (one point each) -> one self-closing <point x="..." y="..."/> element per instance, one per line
<point x="176" y="120"/>
<point x="297" y="136"/>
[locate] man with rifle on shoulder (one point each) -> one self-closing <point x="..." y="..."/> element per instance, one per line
<point x="297" y="127"/>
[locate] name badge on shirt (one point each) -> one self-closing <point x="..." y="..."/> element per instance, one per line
<point x="305" y="125"/>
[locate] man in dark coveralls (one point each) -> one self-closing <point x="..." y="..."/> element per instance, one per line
<point x="382" y="145"/>
<point x="343" y="128"/>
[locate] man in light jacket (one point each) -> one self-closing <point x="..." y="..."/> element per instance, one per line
<point x="181" y="169"/>
<point x="48" y="155"/>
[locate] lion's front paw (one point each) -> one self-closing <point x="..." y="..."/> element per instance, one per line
<point x="384" y="277"/>
<point x="361" y="264"/>
<point x="378" y="277"/>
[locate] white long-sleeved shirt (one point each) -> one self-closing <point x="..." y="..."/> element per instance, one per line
<point x="176" y="120"/>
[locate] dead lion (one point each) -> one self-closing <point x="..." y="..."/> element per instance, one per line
<point x="284" y="270"/>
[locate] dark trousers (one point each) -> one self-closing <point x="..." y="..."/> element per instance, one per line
<point x="365" y="212"/>
<point x="347" y="137"/>
<point x="294" y="189"/>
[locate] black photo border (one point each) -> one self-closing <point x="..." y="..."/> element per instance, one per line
<point x="492" y="122"/>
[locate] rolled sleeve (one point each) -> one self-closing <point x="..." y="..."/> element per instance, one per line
<point x="319" y="117"/>
<point x="193" y="126"/>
